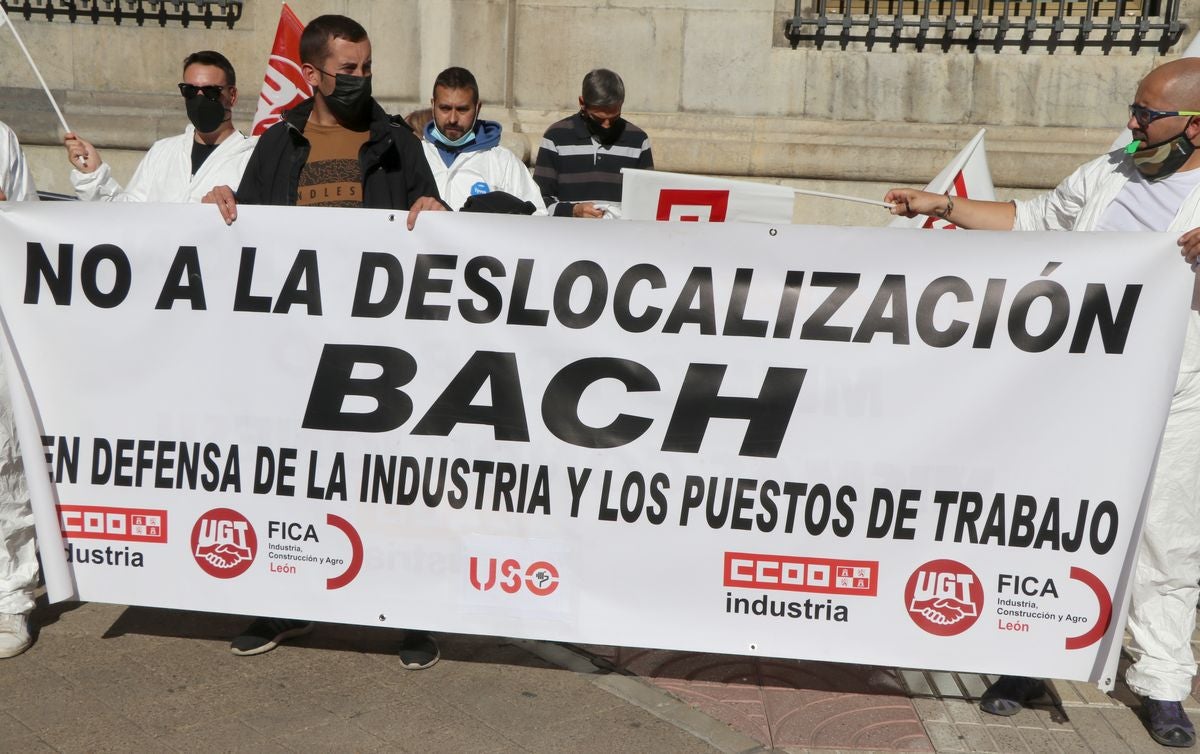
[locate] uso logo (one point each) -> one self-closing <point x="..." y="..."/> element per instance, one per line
<point x="539" y="579"/>
<point x="944" y="597"/>
<point x="224" y="543"/>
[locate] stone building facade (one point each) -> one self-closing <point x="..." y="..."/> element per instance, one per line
<point x="716" y="83"/>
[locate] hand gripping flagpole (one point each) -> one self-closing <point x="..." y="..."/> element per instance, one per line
<point x="4" y="19"/>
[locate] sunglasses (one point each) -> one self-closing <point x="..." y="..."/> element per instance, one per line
<point x="212" y="91"/>
<point x="1145" y="115"/>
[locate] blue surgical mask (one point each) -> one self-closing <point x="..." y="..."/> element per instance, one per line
<point x="466" y="138"/>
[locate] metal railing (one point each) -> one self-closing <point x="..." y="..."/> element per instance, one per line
<point x="140" y="12"/>
<point x="1049" y="24"/>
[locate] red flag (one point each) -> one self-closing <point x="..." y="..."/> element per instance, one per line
<point x="283" y="85"/>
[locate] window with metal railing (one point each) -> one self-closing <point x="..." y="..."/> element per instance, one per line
<point x="139" y="12"/>
<point x="1051" y="25"/>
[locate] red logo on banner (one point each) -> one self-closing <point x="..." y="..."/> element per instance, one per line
<point x="944" y="597"/>
<point x="700" y="205"/>
<point x="224" y="543"/>
<point x="356" y="552"/>
<point x="283" y="86"/>
<point x="540" y="578"/>
<point x="790" y="573"/>
<point x="118" y="524"/>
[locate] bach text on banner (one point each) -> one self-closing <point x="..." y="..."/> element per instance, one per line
<point x="863" y="445"/>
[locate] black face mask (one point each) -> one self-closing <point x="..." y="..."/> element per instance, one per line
<point x="205" y="114"/>
<point x="350" y="100"/>
<point x="604" y="135"/>
<point x="1157" y="161"/>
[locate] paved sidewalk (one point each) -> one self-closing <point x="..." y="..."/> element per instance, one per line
<point x="109" y="678"/>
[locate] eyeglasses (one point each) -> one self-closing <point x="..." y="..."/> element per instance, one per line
<point x="1145" y="115"/>
<point x="211" y="91"/>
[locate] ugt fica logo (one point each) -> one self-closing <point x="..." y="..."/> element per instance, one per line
<point x="224" y="543"/>
<point x="944" y="597"/>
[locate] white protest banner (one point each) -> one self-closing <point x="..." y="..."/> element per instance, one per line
<point x="658" y="195"/>
<point x="967" y="175"/>
<point x="859" y="445"/>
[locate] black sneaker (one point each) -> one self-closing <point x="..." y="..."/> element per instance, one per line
<point x="418" y="651"/>
<point x="1169" y="724"/>
<point x="264" y="634"/>
<point x="1010" y="693"/>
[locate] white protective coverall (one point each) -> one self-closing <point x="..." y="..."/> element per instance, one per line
<point x="165" y="173"/>
<point x="18" y="563"/>
<point x="14" y="169"/>
<point x="1162" y="612"/>
<point x="497" y="168"/>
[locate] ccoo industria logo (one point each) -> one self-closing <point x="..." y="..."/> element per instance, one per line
<point x="224" y="543"/>
<point x="944" y="597"/>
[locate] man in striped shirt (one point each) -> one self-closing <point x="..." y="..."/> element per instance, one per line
<point x="579" y="164"/>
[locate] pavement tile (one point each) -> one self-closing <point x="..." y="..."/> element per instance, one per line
<point x="287" y="713"/>
<point x="978" y="737"/>
<point x="1070" y="742"/>
<point x="917" y="682"/>
<point x="418" y="727"/>
<point x="1088" y="693"/>
<point x="339" y="735"/>
<point x="1007" y="739"/>
<point x="12" y="728"/>
<point x="828" y="720"/>
<point x="625" y="730"/>
<point x="963" y="711"/>
<point x="945" y="737"/>
<point x="524" y="702"/>
<point x="226" y="735"/>
<point x="1038" y="739"/>
<point x="1092" y="727"/>
<point x="1129" y="728"/>
<point x="739" y="706"/>
<point x="974" y="684"/>
<point x="932" y="710"/>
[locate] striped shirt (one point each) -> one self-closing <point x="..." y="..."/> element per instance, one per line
<point x="573" y="167"/>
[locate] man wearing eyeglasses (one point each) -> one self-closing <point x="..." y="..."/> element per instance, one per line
<point x="1154" y="185"/>
<point x="182" y="168"/>
<point x="579" y="163"/>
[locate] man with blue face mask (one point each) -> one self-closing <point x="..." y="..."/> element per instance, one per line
<point x="1154" y="185"/>
<point x="179" y="168"/>
<point x="464" y="150"/>
<point x="338" y="148"/>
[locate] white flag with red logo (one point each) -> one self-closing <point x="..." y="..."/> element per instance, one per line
<point x="967" y="176"/>
<point x="657" y="195"/>
<point x="283" y="85"/>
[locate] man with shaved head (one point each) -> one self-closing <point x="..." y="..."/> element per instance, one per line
<point x="1154" y="185"/>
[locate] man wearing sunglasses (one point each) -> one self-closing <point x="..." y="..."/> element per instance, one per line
<point x="181" y="168"/>
<point x="1153" y="185"/>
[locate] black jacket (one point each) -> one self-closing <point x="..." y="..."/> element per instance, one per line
<point x="395" y="173"/>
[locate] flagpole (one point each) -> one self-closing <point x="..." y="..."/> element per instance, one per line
<point x="36" y="72"/>
<point x="843" y="197"/>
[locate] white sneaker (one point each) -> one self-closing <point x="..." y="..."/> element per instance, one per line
<point x="14" y="634"/>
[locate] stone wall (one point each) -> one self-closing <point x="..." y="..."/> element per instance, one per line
<point x="714" y="82"/>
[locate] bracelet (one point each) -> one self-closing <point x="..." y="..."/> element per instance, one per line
<point x="945" y="214"/>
